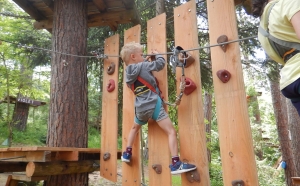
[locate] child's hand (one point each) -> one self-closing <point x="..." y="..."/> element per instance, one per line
<point x="153" y="56"/>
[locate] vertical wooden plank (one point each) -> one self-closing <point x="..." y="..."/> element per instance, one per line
<point x="238" y="160"/>
<point x="109" y="127"/>
<point x="131" y="172"/>
<point x="159" y="152"/>
<point x="190" y="111"/>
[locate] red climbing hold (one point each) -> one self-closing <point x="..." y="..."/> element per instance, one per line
<point x="224" y="75"/>
<point x="111" y="85"/>
<point x="190" y="86"/>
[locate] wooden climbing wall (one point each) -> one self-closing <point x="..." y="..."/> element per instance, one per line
<point x="159" y="153"/>
<point x="109" y="121"/>
<point x="131" y="172"/>
<point x="192" y="133"/>
<point x="238" y="160"/>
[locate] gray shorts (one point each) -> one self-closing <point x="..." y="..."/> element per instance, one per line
<point x="146" y="115"/>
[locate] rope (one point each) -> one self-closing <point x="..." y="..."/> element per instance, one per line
<point x="101" y="56"/>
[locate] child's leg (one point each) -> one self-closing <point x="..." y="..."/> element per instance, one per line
<point x="133" y="131"/>
<point x="131" y="136"/>
<point x="168" y="128"/>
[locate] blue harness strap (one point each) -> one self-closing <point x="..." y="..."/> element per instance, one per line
<point x="155" y="113"/>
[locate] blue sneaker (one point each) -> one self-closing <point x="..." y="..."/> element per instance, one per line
<point x="126" y="157"/>
<point x="180" y="167"/>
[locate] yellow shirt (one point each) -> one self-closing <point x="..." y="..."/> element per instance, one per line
<point x="280" y="26"/>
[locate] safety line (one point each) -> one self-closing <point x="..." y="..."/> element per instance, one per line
<point x="103" y="56"/>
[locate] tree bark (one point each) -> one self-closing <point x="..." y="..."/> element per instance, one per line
<point x="68" y="124"/>
<point x="294" y="126"/>
<point x="208" y="117"/>
<point x="280" y="110"/>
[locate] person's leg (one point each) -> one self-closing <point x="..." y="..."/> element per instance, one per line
<point x="168" y="128"/>
<point x="132" y="134"/>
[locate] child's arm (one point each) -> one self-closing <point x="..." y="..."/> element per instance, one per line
<point x="157" y="64"/>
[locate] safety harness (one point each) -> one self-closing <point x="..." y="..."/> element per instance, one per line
<point x="285" y="49"/>
<point x="140" y="86"/>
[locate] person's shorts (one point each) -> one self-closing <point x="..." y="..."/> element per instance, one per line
<point x="292" y="92"/>
<point x="144" y="116"/>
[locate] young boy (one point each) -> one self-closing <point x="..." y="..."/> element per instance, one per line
<point x="148" y="103"/>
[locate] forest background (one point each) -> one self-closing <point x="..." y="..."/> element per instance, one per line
<point x="25" y="56"/>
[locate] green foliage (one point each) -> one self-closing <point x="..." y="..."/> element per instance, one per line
<point x="94" y="139"/>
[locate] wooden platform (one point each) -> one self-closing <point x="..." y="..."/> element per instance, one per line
<point x="296" y="180"/>
<point x="36" y="163"/>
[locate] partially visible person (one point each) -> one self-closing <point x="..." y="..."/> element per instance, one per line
<point x="281" y="19"/>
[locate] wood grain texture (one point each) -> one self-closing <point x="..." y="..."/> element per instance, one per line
<point x="238" y="161"/>
<point x="131" y="172"/>
<point x="109" y="127"/>
<point x="159" y="152"/>
<point x="190" y="111"/>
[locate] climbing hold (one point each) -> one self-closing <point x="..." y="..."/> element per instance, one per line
<point x="106" y="156"/>
<point x="224" y="75"/>
<point x="238" y="183"/>
<point x="186" y="58"/>
<point x="157" y="168"/>
<point x="111" y="85"/>
<point x="283" y="164"/>
<point x="223" y="39"/>
<point x="111" y="68"/>
<point x="190" y="86"/>
<point x="193" y="176"/>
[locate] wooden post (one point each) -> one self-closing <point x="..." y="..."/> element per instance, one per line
<point x="60" y="168"/>
<point x="159" y="152"/>
<point x="238" y="161"/>
<point x="192" y="133"/>
<point x="131" y="172"/>
<point x="109" y="127"/>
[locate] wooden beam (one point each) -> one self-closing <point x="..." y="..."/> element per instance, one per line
<point x="109" y="127"/>
<point x="191" y="123"/>
<point x="100" y="4"/>
<point x="37" y="156"/>
<point x="101" y="19"/>
<point x="236" y="143"/>
<point x="10" y="181"/>
<point x="131" y="172"/>
<point x="12" y="166"/>
<point x="60" y="168"/>
<point x="296" y="180"/>
<point x="32" y="11"/>
<point x="159" y="152"/>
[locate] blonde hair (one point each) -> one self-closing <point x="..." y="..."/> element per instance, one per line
<point x="128" y="49"/>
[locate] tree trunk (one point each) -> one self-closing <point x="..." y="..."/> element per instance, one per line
<point x="283" y="133"/>
<point x="294" y="126"/>
<point x="256" y="114"/>
<point x="68" y="124"/>
<point x="160" y="7"/>
<point x="208" y="116"/>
